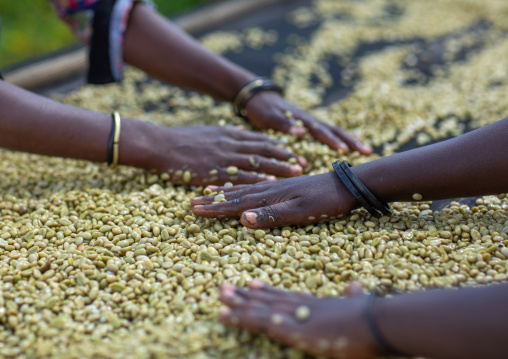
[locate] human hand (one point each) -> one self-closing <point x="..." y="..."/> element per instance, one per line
<point x="333" y="327"/>
<point x="268" y="110"/>
<point x="301" y="201"/>
<point x="207" y="152"/>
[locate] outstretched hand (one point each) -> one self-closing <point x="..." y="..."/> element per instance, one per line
<point x="269" y="110"/>
<point x="301" y="200"/>
<point x="331" y="327"/>
<point x="216" y="155"/>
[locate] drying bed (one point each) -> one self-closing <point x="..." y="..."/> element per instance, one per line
<point x="99" y="262"/>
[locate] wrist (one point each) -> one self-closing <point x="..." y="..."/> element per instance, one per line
<point x="345" y="200"/>
<point x="137" y="144"/>
<point x="237" y="82"/>
<point x="379" y="340"/>
<point x="374" y="177"/>
<point x="387" y="315"/>
<point x="249" y="90"/>
<point x="361" y="193"/>
<point x="232" y="79"/>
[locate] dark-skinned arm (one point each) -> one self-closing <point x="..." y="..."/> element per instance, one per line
<point x="466" y="323"/>
<point x="473" y="164"/>
<point x="451" y="324"/>
<point x="160" y="48"/>
<point x="32" y="123"/>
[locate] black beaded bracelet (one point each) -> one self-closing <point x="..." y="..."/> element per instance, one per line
<point x="386" y="347"/>
<point x="380" y="207"/>
<point x="350" y="186"/>
<point x="249" y="90"/>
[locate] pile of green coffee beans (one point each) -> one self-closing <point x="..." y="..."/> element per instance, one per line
<point x="96" y="262"/>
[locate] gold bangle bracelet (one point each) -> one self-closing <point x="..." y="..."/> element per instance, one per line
<point x="116" y="138"/>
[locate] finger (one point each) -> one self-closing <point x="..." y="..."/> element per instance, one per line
<point x="247" y="188"/>
<point x="258" y="295"/>
<point x="269" y="166"/>
<point x="234" y="192"/>
<point x="326" y="136"/>
<point x="280" y="122"/>
<point x="241" y="310"/>
<point x="240" y="177"/>
<point x="227" y="317"/>
<point x="256" y="314"/>
<point x="252" y="136"/>
<point x="233" y="208"/>
<point x="267" y="149"/>
<point x="276" y="215"/>
<point x="259" y="285"/>
<point x="353" y="143"/>
<point x="252" y="316"/>
<point x="229" y="296"/>
<point x="281" y="303"/>
<point x="223" y="189"/>
<point x="281" y="299"/>
<point x="226" y="191"/>
<point x="354" y="289"/>
<point x="253" y="310"/>
<point x="202" y="201"/>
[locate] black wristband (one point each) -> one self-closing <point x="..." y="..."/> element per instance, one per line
<point x="382" y="208"/>
<point x="350" y="186"/>
<point x="111" y="143"/>
<point x="387" y="348"/>
<point x="247" y="91"/>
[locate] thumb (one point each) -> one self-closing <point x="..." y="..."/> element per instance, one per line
<point x="276" y="215"/>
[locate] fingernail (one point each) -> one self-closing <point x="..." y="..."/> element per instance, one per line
<point x="225" y="312"/>
<point x="212" y="187"/>
<point x="302" y="161"/>
<point x="240" y="127"/>
<point x="198" y="206"/>
<point x="228" y="292"/>
<point x="251" y="217"/>
<point x="271" y="178"/>
<point x="225" y="285"/>
<point x="366" y="149"/>
<point x="298" y="131"/>
<point x="343" y="149"/>
<point x="255" y="284"/>
<point x="197" y="198"/>
<point x="227" y="289"/>
<point x="295" y="168"/>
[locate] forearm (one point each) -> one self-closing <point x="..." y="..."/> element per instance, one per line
<point x="31" y="123"/>
<point x="160" y="48"/>
<point x="473" y="164"/>
<point x="465" y="323"/>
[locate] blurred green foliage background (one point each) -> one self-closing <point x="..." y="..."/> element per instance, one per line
<point x="31" y="28"/>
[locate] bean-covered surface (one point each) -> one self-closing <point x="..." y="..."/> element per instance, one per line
<point x="111" y="263"/>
